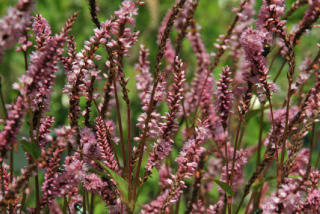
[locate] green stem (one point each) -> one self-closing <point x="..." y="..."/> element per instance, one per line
<point x="84" y="200"/>
<point x="36" y="183"/>
<point x="260" y="134"/>
<point x="279" y="72"/>
<point x="120" y="123"/>
<point x="234" y="160"/>
<point x="92" y="203"/>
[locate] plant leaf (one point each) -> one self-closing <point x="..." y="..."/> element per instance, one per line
<point x="31" y="148"/>
<point x="122" y="184"/>
<point x="254" y="113"/>
<point x="224" y="186"/>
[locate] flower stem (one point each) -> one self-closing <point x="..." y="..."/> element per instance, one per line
<point x="120" y="124"/>
<point x="36" y="183"/>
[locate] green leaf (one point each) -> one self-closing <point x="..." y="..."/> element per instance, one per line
<point x="253" y="113"/>
<point x="122" y="184"/>
<point x="31" y="148"/>
<point x="99" y="173"/>
<point x="224" y="186"/>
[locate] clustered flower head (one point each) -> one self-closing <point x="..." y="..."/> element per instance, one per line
<point x="269" y="17"/>
<point x="252" y="42"/>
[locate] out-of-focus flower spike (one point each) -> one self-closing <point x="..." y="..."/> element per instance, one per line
<point x="8" y="137"/>
<point x="15" y="24"/>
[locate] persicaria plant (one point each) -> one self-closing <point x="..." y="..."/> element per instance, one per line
<point x="228" y="128"/>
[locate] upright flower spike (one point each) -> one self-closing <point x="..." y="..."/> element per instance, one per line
<point x="8" y="137"/>
<point x="163" y="147"/>
<point x="105" y="145"/>
<point x="51" y="174"/>
<point x="144" y="79"/>
<point x="187" y="163"/>
<point x="252" y="42"/>
<point x="245" y="20"/>
<point x="154" y="128"/>
<point x="198" y="82"/>
<point x="312" y="201"/>
<point x="309" y="18"/>
<point x="44" y="132"/>
<point x="224" y="97"/>
<point x="42" y="31"/>
<point x="39" y="79"/>
<point x="169" y="51"/>
<point x="269" y="17"/>
<point x="6" y="179"/>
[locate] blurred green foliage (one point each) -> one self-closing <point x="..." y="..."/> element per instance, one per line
<point x="212" y="16"/>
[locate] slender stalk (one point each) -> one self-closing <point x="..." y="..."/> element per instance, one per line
<point x="290" y="74"/>
<point x="144" y="137"/>
<point x="279" y="71"/>
<point x="273" y="59"/>
<point x="294" y="7"/>
<point x="177" y="206"/>
<point x="3" y="105"/>
<point x="251" y="198"/>
<point x="257" y="194"/>
<point x="93" y="13"/>
<point x="306" y="176"/>
<point x="243" y="129"/>
<point x="84" y="200"/>
<point x="64" y="208"/>
<point x="30" y="121"/>
<point x="260" y="134"/>
<point x="275" y="141"/>
<point x="36" y="177"/>
<point x="92" y="203"/>
<point x="36" y="183"/>
<point x="227" y="168"/>
<point x="120" y="123"/>
<point x="66" y="203"/>
<point x="129" y="155"/>
<point x="196" y="185"/>
<point x="121" y="207"/>
<point x="184" y="116"/>
<point x="233" y="162"/>
<point x="87" y="198"/>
